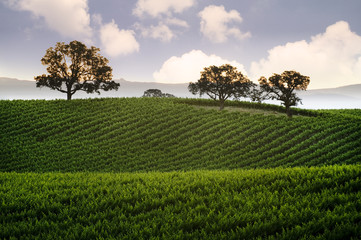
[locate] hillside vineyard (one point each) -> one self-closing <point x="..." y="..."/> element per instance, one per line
<point x="140" y="135"/>
<point x="152" y="168"/>
<point x="290" y="203"/>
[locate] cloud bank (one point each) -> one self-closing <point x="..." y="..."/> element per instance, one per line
<point x="70" y="18"/>
<point x="187" y="67"/>
<point x="331" y="59"/>
<point x="117" y="42"/>
<point x="216" y="24"/>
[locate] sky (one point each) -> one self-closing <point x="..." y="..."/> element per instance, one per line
<point x="171" y="41"/>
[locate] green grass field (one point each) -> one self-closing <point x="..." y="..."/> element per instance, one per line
<point x="148" y="168"/>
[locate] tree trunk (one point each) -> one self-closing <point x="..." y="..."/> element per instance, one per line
<point x="69" y="95"/>
<point x="288" y="111"/>
<point x="221" y="105"/>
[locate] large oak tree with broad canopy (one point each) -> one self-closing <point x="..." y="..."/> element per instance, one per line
<point x="73" y="67"/>
<point x="282" y="87"/>
<point x="221" y="83"/>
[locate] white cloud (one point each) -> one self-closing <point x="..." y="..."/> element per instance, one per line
<point x="70" y="18"/>
<point x="187" y="68"/>
<point x="163" y="10"/>
<point x="176" y="22"/>
<point x="155" y="8"/>
<point x="117" y="42"/>
<point x="97" y="19"/>
<point x="161" y="32"/>
<point x="331" y="59"/>
<point x="216" y="24"/>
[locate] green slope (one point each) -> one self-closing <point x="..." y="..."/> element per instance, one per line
<point x="128" y="135"/>
<point x="72" y="170"/>
<point x="293" y="203"/>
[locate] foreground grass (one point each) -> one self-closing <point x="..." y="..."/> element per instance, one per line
<point x="290" y="203"/>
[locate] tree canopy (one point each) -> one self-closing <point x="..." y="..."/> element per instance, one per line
<point x="73" y="67"/>
<point x="221" y="83"/>
<point x="282" y="87"/>
<point x="156" y="93"/>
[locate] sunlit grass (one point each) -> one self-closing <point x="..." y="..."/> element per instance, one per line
<point x="291" y="203"/>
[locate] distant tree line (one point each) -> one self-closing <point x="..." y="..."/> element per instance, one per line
<point x="74" y="67"/>
<point x="157" y="93"/>
<point x="223" y="82"/>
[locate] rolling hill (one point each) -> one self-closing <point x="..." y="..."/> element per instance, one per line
<point x="152" y="168"/>
<point x="148" y="134"/>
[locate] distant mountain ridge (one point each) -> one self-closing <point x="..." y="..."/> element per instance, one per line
<point x="341" y="97"/>
<point x="12" y="88"/>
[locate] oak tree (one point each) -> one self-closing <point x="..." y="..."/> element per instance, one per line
<point x="282" y="87"/>
<point x="157" y="93"/>
<point x="74" y="67"/>
<point x="221" y="83"/>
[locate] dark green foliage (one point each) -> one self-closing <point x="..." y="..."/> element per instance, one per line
<point x="156" y="93"/>
<point x="158" y="134"/>
<point x="221" y="83"/>
<point x="282" y="87"/>
<point x="74" y="67"/>
<point x="298" y="203"/>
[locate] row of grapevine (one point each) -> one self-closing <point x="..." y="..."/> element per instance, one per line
<point x="136" y="134"/>
<point x="292" y="203"/>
